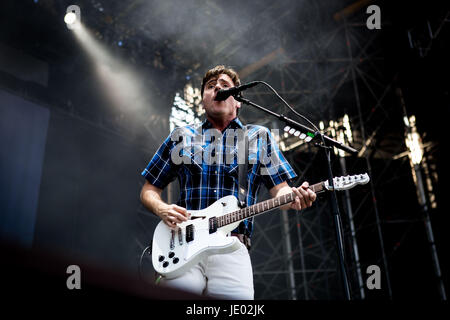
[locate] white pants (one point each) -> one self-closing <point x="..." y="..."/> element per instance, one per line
<point x="223" y="276"/>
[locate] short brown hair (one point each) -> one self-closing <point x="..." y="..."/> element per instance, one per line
<point x="218" y="70"/>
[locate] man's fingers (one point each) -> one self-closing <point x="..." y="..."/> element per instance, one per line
<point x="305" y="196"/>
<point x="170" y="223"/>
<point x="177" y="216"/>
<point x="181" y="210"/>
<point x="303" y="202"/>
<point x="299" y="199"/>
<point x="312" y="195"/>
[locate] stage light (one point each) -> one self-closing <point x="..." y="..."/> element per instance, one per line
<point x="413" y="142"/>
<point x="348" y="130"/>
<point x="70" y="18"/>
<point x="119" y="43"/>
<point x="321" y="125"/>
<point x="339" y="130"/>
<point x="186" y="110"/>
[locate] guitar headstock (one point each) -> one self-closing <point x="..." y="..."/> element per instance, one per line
<point x="347" y="182"/>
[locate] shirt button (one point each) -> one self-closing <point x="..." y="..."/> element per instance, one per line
<point x="215" y="172"/>
<point x="215" y="191"/>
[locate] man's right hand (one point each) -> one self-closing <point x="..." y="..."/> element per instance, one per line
<point x="172" y="214"/>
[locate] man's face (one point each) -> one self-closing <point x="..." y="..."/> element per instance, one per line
<point x="219" y="109"/>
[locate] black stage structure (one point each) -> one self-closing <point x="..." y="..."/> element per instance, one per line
<point x="81" y="118"/>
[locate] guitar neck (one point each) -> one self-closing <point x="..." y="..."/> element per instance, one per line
<point x="263" y="206"/>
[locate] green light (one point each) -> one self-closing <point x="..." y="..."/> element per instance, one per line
<point x="311" y="134"/>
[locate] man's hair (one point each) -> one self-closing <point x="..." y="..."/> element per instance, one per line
<point x="218" y="70"/>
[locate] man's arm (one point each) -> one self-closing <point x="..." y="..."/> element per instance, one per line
<point x="304" y="199"/>
<point x="171" y="214"/>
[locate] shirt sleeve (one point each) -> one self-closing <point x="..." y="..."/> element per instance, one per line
<point x="274" y="167"/>
<point x="160" y="171"/>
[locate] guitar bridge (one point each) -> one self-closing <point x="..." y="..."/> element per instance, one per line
<point x="172" y="240"/>
<point x="180" y="237"/>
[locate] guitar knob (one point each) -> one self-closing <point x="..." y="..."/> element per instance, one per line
<point x="175" y="260"/>
<point x="161" y="258"/>
<point x="171" y="254"/>
<point x="165" y="264"/>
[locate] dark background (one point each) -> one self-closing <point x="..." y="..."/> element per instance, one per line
<point x="71" y="159"/>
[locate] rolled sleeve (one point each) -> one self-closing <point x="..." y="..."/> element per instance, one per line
<point x="160" y="171"/>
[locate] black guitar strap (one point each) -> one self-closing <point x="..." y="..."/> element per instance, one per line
<point x="242" y="170"/>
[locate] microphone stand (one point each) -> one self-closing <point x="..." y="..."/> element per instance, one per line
<point x="327" y="144"/>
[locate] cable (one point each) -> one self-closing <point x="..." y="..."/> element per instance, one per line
<point x="140" y="260"/>
<point x="298" y="114"/>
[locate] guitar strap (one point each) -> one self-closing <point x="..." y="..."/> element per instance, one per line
<point x="242" y="171"/>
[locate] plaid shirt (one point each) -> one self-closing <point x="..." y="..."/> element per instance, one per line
<point x="201" y="184"/>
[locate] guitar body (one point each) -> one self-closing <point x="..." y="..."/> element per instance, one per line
<point x="172" y="254"/>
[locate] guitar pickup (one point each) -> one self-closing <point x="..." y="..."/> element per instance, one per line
<point x="212" y="225"/>
<point x="190" y="233"/>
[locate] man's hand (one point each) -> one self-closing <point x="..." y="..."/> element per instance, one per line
<point x="305" y="197"/>
<point x="172" y="214"/>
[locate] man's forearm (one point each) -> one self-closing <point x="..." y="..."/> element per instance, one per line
<point x="151" y="199"/>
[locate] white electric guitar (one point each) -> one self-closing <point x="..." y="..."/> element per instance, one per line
<point x="205" y="233"/>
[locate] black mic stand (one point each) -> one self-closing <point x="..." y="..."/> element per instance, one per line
<point x="327" y="144"/>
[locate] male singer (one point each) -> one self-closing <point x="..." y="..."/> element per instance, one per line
<point x="223" y="276"/>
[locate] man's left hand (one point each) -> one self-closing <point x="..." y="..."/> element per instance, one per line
<point x="304" y="197"/>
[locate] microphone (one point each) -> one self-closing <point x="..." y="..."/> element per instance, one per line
<point x="223" y="94"/>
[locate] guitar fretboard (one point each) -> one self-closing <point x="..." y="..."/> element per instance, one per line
<point x="262" y="207"/>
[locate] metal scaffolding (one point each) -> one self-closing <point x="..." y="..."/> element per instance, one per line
<point x="294" y="254"/>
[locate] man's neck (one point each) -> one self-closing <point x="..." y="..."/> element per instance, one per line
<point x="220" y="124"/>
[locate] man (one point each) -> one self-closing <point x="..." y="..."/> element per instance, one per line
<point x="223" y="276"/>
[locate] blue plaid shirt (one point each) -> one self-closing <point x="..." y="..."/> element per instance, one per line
<point x="204" y="182"/>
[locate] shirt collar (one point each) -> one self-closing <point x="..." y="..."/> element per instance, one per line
<point x="234" y="124"/>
